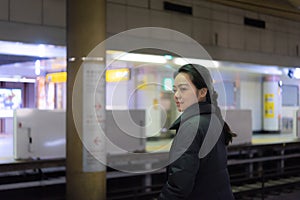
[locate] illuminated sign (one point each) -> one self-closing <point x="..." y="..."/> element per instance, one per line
<point x="116" y="75"/>
<point x="269" y="106"/>
<point x="59" y="77"/>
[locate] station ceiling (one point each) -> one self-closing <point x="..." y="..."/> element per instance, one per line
<point x="289" y="9"/>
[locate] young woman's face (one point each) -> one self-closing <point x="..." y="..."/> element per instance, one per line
<point x="185" y="92"/>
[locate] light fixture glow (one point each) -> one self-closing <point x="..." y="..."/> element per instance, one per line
<point x="168" y="57"/>
<point x="37" y="66"/>
<point x="38" y="50"/>
<point x="297" y="73"/>
<point x="54" y="143"/>
<point x="41" y="50"/>
<point x="134" y="57"/>
<point x="205" y="63"/>
<point x="22" y="80"/>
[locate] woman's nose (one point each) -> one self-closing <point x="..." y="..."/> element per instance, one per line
<point x="176" y="95"/>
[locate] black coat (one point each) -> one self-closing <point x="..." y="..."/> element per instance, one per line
<point x="194" y="173"/>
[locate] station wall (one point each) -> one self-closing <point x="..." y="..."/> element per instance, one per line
<point x="220" y="29"/>
<point x="33" y="21"/>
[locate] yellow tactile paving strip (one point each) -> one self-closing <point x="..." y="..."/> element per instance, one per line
<point x="273" y="138"/>
<point x="164" y="145"/>
<point x="158" y="146"/>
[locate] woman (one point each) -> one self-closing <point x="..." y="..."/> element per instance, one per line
<point x="198" y="154"/>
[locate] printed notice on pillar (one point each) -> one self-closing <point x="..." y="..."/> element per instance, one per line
<point x="94" y="155"/>
<point x="269" y="106"/>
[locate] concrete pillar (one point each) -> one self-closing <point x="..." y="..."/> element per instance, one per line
<point x="85" y="30"/>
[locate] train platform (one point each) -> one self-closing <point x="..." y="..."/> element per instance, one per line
<point x="161" y="145"/>
<point x="267" y="168"/>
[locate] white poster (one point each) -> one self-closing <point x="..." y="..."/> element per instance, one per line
<point x="94" y="155"/>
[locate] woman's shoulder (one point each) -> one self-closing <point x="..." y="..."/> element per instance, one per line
<point x="194" y="125"/>
<point x="198" y="119"/>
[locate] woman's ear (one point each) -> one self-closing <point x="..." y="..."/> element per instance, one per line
<point x="202" y="94"/>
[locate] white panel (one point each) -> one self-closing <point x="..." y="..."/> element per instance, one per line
<point x="243" y="128"/>
<point x="220" y="34"/>
<point x="181" y="23"/>
<point x="8" y="125"/>
<point x="157" y="4"/>
<point x="289" y="120"/>
<point x="251" y="99"/>
<point x="54" y="12"/>
<point x="202" y="31"/>
<point x="294" y="28"/>
<point x="125" y="131"/>
<point x="251" y="14"/>
<point x="235" y="12"/>
<point x="138" y="3"/>
<point x="252" y="40"/>
<point x="116" y="18"/>
<point x="29" y="11"/>
<point x="92" y="116"/>
<point x="219" y="7"/>
<point x="282" y="25"/>
<point x="281" y="43"/>
<point x="117" y="95"/>
<point x="205" y="4"/>
<point x="292" y="44"/>
<point x="160" y="19"/>
<point x="117" y="1"/>
<point x="137" y="17"/>
<point x="267" y="41"/>
<point x="236" y="36"/>
<point x="270" y="21"/>
<point x="271" y="26"/>
<point x="236" y="19"/>
<point x="32" y="33"/>
<point x="220" y="15"/>
<point x="291" y="26"/>
<point x="39" y="133"/>
<point x="4" y="10"/>
<point x="201" y="11"/>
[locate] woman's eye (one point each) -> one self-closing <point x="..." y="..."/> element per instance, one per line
<point x="182" y="89"/>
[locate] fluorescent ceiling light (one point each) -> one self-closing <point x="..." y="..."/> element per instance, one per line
<point x="37" y="67"/>
<point x="297" y="73"/>
<point x="22" y="80"/>
<point x="205" y="63"/>
<point x="252" y="68"/>
<point x="134" y="57"/>
<point x="37" y="50"/>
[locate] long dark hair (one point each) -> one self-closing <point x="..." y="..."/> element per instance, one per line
<point x="201" y="78"/>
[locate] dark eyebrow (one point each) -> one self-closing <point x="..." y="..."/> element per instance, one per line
<point x="180" y="85"/>
<point x="183" y="84"/>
